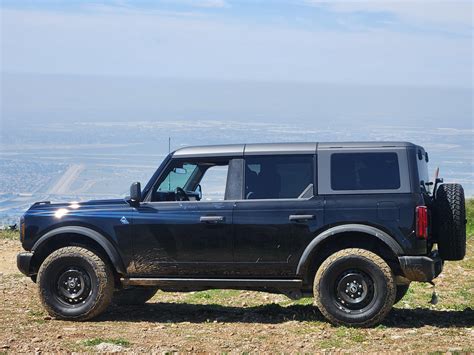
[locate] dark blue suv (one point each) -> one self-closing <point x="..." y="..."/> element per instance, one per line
<point x="351" y="224"/>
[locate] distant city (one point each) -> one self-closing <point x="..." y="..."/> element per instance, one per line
<point x="90" y="160"/>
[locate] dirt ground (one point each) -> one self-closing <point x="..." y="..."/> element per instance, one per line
<point x="237" y="321"/>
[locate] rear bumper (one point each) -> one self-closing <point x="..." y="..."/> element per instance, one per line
<point x="23" y="261"/>
<point x="421" y="268"/>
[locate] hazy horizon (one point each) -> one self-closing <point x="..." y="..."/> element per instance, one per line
<point x="70" y="98"/>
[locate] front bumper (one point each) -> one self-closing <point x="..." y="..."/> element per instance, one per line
<point x="23" y="261"/>
<point x="421" y="268"/>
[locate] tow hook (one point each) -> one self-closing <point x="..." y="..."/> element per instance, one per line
<point x="434" y="296"/>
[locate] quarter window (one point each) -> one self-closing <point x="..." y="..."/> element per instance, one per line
<point x="278" y="177"/>
<point x="365" y="171"/>
<point x="213" y="183"/>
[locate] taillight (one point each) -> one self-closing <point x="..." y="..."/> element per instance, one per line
<point x="422" y="222"/>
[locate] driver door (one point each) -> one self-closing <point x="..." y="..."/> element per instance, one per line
<point x="189" y="237"/>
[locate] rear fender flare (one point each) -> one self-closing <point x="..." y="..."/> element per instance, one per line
<point x="110" y="250"/>
<point x="360" y="228"/>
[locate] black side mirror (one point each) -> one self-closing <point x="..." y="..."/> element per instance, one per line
<point x="135" y="194"/>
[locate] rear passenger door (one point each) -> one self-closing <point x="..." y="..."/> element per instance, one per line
<point x="278" y="215"/>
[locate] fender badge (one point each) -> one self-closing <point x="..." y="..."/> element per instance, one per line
<point x="123" y="220"/>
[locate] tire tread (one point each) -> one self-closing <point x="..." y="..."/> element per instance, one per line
<point x="449" y="227"/>
<point x="104" y="275"/>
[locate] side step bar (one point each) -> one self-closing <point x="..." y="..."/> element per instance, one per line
<point x="212" y="283"/>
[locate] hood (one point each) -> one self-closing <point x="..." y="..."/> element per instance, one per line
<point x="72" y="206"/>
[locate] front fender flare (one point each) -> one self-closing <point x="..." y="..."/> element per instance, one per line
<point x="361" y="228"/>
<point x="110" y="250"/>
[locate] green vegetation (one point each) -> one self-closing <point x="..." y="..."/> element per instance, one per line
<point x="8" y="234"/>
<point x="37" y="316"/>
<point x="116" y="341"/>
<point x="331" y="343"/>
<point x="211" y="296"/>
<point x="344" y="337"/>
<point x="36" y="313"/>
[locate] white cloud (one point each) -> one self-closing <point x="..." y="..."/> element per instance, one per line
<point x="201" y="3"/>
<point x="138" y="43"/>
<point x="453" y="12"/>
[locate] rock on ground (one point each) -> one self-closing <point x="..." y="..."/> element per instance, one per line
<point x="108" y="348"/>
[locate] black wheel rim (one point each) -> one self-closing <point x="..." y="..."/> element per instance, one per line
<point x="354" y="291"/>
<point x="73" y="286"/>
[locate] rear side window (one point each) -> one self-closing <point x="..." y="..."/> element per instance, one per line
<point x="277" y="177"/>
<point x="365" y="171"/>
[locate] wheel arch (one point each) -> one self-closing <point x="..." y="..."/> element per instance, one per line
<point x="346" y="236"/>
<point x="76" y="235"/>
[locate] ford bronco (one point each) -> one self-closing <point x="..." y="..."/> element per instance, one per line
<point x="350" y="224"/>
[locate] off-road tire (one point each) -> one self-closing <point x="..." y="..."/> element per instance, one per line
<point x="134" y="295"/>
<point x="370" y="265"/>
<point x="57" y="265"/>
<point x="401" y="292"/>
<point x="449" y="222"/>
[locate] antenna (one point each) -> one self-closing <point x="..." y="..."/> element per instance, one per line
<point x="169" y="175"/>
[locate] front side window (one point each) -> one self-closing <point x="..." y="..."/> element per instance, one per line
<point x="365" y="171"/>
<point x="178" y="176"/>
<point x="279" y="177"/>
<point x="191" y="180"/>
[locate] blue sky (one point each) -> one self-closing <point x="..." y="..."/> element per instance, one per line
<point x="352" y="42"/>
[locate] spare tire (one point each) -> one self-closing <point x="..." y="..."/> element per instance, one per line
<point x="449" y="221"/>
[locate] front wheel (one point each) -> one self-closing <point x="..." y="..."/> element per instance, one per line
<point x="354" y="287"/>
<point x="75" y="284"/>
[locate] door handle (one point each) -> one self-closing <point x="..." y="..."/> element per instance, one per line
<point x="300" y="217"/>
<point x="211" y="219"/>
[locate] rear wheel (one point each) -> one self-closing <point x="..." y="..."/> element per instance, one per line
<point x="134" y="295"/>
<point x="354" y="287"/>
<point x="75" y="284"/>
<point x="449" y="221"/>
